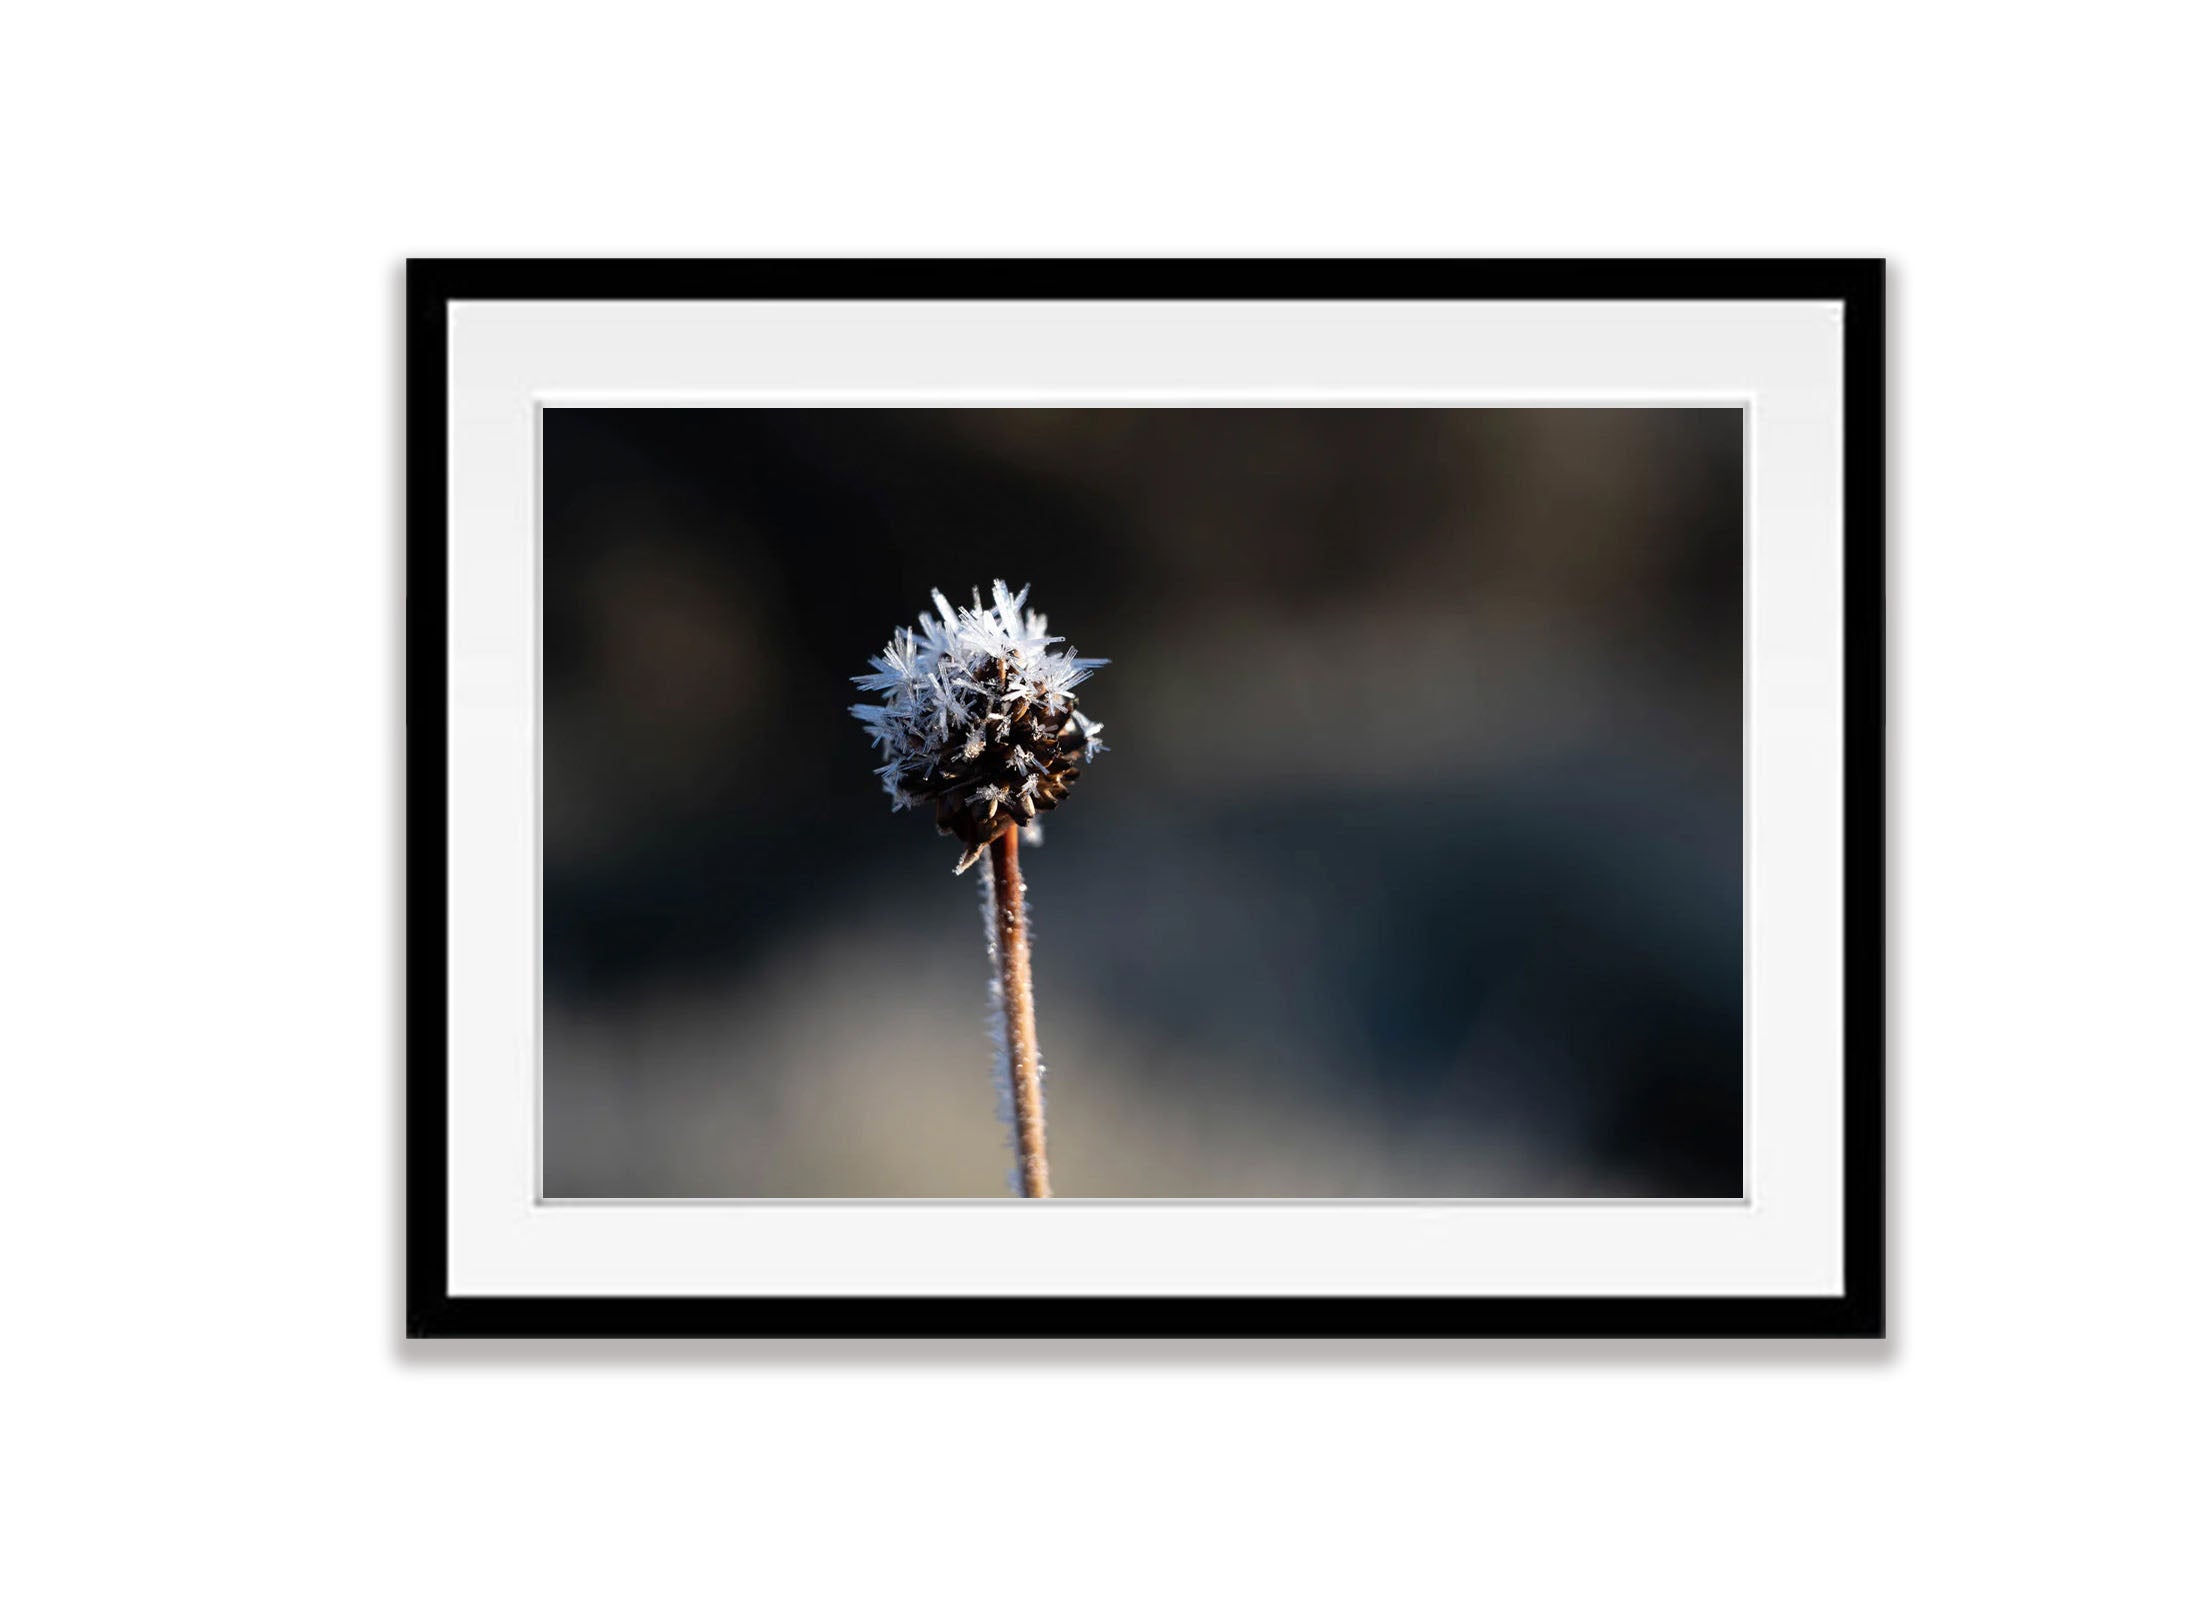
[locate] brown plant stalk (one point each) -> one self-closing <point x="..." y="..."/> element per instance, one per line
<point x="1012" y="969"/>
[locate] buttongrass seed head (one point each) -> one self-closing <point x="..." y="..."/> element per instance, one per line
<point x="978" y="717"/>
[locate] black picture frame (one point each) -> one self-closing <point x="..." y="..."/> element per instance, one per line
<point x="1859" y="1311"/>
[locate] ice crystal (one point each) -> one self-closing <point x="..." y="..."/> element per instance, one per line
<point x="978" y="715"/>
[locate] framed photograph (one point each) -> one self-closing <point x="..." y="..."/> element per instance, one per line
<point x="1145" y="798"/>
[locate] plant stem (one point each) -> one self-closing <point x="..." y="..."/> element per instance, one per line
<point x="1012" y="951"/>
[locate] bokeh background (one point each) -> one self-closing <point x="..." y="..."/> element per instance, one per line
<point x="1414" y="867"/>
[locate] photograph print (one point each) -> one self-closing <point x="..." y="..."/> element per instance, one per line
<point x="1134" y="802"/>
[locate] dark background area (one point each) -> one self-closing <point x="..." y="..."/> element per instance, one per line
<point x="1414" y="867"/>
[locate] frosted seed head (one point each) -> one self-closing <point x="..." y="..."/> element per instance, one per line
<point x="977" y="715"/>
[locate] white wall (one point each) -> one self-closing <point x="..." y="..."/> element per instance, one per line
<point x="206" y="206"/>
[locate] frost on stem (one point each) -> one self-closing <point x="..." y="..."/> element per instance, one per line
<point x="996" y="1016"/>
<point x="978" y="715"/>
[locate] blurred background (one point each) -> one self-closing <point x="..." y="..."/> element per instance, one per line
<point x="1413" y="868"/>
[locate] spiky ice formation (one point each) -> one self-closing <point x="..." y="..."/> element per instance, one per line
<point x="978" y="715"/>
